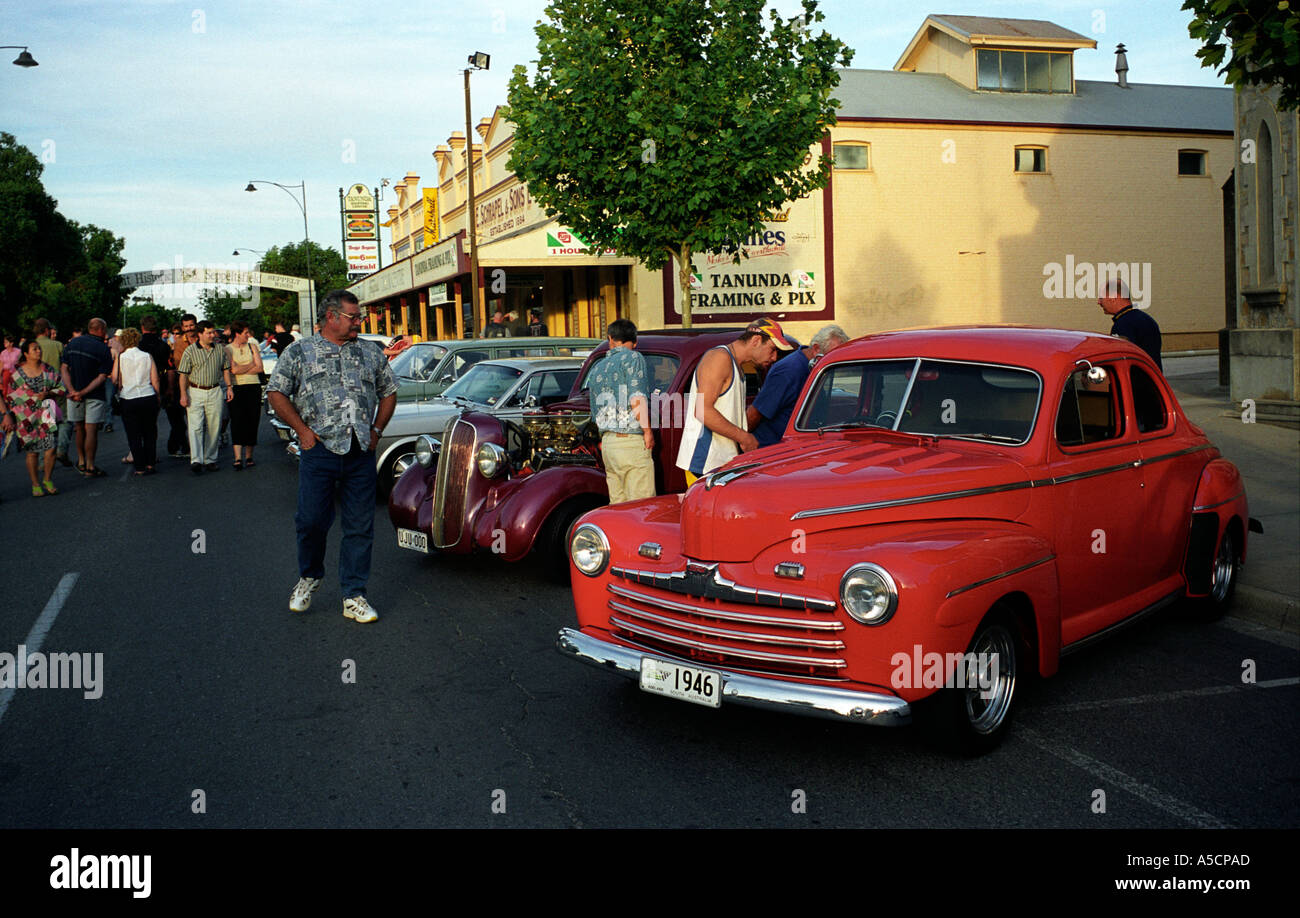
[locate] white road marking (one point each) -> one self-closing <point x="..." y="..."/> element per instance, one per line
<point x="1117" y="778"/>
<point x="45" y="621"/>
<point x="1170" y="696"/>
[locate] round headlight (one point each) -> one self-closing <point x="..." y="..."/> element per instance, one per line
<point x="869" y="594"/>
<point x="589" y="549"/>
<point x="491" y="459"/>
<point x="426" y="448"/>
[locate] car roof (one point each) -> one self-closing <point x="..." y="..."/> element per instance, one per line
<point x="1019" y="345"/>
<point x="542" y="341"/>
<point x="534" y="363"/>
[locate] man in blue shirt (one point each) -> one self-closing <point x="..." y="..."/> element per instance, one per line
<point x="87" y="362"/>
<point x="1129" y="322"/>
<point x="769" y="415"/>
<point x="617" y="389"/>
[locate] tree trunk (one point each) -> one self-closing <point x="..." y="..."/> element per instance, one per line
<point x="684" y="280"/>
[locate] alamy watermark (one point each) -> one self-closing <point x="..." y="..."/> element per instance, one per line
<point x="1086" y="280"/>
<point x="103" y="871"/>
<point x="25" y="670"/>
<point x="666" y="409"/>
<point x="944" y="670"/>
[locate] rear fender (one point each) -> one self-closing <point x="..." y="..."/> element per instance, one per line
<point x="521" y="513"/>
<point x="1220" y="502"/>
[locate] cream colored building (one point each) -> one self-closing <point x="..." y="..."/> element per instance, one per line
<point x="979" y="204"/>
<point x="977" y="182"/>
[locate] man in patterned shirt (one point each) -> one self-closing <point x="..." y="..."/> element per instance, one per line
<point x="337" y="393"/>
<point x="617" y="387"/>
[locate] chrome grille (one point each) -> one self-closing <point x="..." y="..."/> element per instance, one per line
<point x="715" y="622"/>
<point x="452" y="482"/>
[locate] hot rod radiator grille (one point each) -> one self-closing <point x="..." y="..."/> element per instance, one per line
<point x="452" y="482"/>
<point x="798" y="636"/>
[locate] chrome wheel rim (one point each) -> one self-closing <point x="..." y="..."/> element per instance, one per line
<point x="401" y="464"/>
<point x="986" y="709"/>
<point x="1224" y="568"/>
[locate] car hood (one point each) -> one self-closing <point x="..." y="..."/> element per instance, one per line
<point x="814" y="484"/>
<point x="421" y="417"/>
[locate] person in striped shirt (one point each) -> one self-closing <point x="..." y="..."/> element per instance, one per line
<point x="203" y="366"/>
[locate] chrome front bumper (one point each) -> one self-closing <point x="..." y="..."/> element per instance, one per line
<point x="873" y="708"/>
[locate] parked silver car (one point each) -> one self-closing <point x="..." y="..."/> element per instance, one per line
<point x="506" y="388"/>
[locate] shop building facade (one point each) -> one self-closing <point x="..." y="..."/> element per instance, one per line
<point x="976" y="182"/>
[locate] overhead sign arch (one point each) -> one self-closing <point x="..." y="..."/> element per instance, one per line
<point x="233" y="277"/>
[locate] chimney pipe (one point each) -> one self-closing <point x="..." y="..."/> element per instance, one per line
<point x="1121" y="66"/>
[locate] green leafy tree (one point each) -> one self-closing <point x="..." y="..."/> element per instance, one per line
<point x="52" y="266"/>
<point x="669" y="128"/>
<point x="140" y="306"/>
<point x="1263" y="37"/>
<point x="328" y="269"/>
<point x="224" y="307"/>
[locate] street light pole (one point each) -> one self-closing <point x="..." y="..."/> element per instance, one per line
<point x="477" y="61"/>
<point x="24" y="59"/>
<point x="306" y="236"/>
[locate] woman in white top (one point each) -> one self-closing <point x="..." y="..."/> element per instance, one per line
<point x="136" y="376"/>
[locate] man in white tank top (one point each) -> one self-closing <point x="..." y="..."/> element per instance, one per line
<point x="715" y="430"/>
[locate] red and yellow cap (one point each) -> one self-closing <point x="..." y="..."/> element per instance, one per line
<point x="772" y="330"/>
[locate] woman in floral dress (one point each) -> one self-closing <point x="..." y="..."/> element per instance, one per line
<point x="32" y="383"/>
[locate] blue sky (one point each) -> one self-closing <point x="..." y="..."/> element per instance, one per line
<point x="152" y="115"/>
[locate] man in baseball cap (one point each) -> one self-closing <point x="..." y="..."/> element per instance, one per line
<point x="770" y="329"/>
<point x="715" y="428"/>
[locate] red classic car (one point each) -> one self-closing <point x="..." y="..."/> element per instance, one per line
<point x="947" y="506"/>
<point x="509" y="487"/>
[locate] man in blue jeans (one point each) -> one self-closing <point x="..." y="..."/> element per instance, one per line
<point x="337" y="393"/>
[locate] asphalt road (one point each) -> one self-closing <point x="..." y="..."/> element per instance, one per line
<point x="463" y="715"/>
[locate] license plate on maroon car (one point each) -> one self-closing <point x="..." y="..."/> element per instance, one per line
<point x="685" y="683"/>
<point x="410" y="538"/>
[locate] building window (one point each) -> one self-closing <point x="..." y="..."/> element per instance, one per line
<point x="852" y="156"/>
<point x="1191" y="162"/>
<point x="1266" y="247"/>
<point x="1024" y="71"/>
<point x="1031" y="159"/>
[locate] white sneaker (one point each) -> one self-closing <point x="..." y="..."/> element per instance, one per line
<point x="359" y="610"/>
<point x="300" y="601"/>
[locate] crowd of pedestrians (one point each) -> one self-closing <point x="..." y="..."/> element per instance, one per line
<point x="56" y="398"/>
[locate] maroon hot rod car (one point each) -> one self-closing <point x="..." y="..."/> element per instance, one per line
<point x="511" y="487"/>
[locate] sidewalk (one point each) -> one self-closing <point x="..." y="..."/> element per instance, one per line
<point x="1268" y="591"/>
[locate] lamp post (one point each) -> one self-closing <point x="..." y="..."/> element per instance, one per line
<point x="310" y="319"/>
<point x="241" y="251"/>
<point x="24" y="59"/>
<point x="477" y="61"/>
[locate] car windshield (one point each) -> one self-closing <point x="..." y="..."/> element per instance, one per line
<point x="418" y="361"/>
<point x="660" y="370"/>
<point x="484" y="383"/>
<point x="932" y="397"/>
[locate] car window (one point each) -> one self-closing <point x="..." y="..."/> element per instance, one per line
<point x="868" y="393"/>
<point x="463" y="360"/>
<point x="484" y="384"/>
<point x="1090" y="409"/>
<point x="934" y="397"/>
<point x="1148" y="403"/>
<point x="418" y="362"/>
<point x="660" y="370"/>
